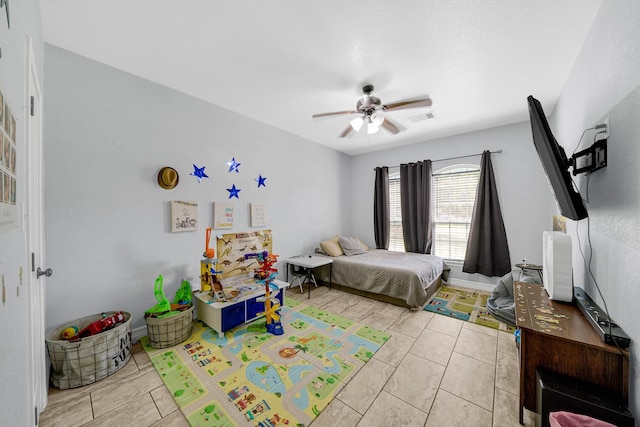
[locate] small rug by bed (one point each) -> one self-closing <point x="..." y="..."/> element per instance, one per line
<point x="464" y="304"/>
<point x="253" y="378"/>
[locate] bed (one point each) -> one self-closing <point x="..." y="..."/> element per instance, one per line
<point x="402" y="278"/>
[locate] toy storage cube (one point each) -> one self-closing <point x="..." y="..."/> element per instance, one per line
<point x="90" y="359"/>
<point x="232" y="316"/>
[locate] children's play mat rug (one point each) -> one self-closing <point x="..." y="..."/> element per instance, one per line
<point x="253" y="378"/>
<point x="464" y="304"/>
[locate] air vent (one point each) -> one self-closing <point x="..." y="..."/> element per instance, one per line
<point x="421" y="117"/>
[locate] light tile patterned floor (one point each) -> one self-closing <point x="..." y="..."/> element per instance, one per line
<point x="435" y="371"/>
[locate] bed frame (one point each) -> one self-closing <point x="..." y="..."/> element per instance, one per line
<point x="404" y="279"/>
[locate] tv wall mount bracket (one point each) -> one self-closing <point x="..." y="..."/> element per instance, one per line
<point x="594" y="157"/>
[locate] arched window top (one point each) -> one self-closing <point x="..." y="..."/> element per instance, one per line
<point x="451" y="169"/>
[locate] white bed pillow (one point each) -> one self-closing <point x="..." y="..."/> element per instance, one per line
<point x="351" y="245"/>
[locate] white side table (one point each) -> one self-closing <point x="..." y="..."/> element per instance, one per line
<point x="310" y="262"/>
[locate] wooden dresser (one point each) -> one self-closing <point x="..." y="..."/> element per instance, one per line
<point x="557" y="336"/>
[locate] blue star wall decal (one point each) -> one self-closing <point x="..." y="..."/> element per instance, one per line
<point x="199" y="173"/>
<point x="233" y="191"/>
<point x="233" y="165"/>
<point x="260" y="180"/>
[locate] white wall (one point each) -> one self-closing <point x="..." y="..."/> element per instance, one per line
<point x="107" y="221"/>
<point x="15" y="402"/>
<point x="524" y="194"/>
<point x="605" y="82"/>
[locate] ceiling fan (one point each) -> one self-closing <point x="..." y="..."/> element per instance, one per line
<point x="368" y="106"/>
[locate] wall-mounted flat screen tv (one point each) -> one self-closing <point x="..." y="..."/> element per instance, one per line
<point x="555" y="164"/>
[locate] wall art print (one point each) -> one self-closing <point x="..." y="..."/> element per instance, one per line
<point x="8" y="163"/>
<point x="222" y="215"/>
<point x="258" y="214"/>
<point x="184" y="216"/>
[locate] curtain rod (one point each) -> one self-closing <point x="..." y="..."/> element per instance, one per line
<point x="453" y="158"/>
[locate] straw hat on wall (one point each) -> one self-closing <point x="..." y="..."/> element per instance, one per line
<point x="168" y="178"/>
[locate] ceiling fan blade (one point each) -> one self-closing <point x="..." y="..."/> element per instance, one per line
<point x="335" y="113"/>
<point x="389" y="127"/>
<point x="416" y="103"/>
<point x="347" y="132"/>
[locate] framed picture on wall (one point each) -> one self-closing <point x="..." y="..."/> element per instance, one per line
<point x="184" y="216"/>
<point x="8" y="162"/>
<point x="1" y="109"/>
<point x="222" y="215"/>
<point x="258" y="214"/>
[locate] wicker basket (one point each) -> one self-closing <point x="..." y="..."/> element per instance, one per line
<point x="169" y="331"/>
<point x="83" y="362"/>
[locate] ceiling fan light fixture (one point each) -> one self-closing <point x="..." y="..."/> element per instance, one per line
<point x="373" y="123"/>
<point x="368" y="107"/>
<point x="356" y="123"/>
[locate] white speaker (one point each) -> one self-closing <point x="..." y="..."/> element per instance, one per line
<point x="557" y="272"/>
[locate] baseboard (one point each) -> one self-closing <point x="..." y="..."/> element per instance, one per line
<point x="473" y="285"/>
<point x="137" y="333"/>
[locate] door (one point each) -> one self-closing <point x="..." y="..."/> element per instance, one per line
<point x="34" y="220"/>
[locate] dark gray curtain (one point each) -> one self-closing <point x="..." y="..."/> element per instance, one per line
<point x="415" y="200"/>
<point x="487" y="248"/>
<point x="381" y="208"/>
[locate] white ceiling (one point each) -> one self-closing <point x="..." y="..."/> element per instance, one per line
<point x="281" y="61"/>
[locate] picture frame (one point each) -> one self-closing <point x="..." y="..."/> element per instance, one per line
<point x="223" y="215"/>
<point x="184" y="216"/>
<point x="258" y="214"/>
<point x="8" y="167"/>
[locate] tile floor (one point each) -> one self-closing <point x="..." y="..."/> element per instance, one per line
<point x="435" y="371"/>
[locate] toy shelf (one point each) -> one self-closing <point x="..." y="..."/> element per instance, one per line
<point x="241" y="308"/>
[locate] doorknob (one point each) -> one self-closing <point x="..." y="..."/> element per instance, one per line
<point x="48" y="272"/>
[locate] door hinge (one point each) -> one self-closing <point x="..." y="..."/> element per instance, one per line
<point x="32" y="106"/>
<point x="36" y="412"/>
<point x="33" y="261"/>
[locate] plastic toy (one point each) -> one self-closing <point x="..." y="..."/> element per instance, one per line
<point x="183" y="294"/>
<point x="163" y="303"/>
<point x="206" y="265"/>
<point x="102" y="325"/>
<point x="70" y="333"/>
<point x="208" y="272"/>
<point x="208" y="252"/>
<point x="265" y="274"/>
<point x="217" y="292"/>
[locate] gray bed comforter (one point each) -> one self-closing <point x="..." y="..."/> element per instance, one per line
<point x="400" y="275"/>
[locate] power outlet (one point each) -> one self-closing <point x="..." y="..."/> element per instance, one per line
<point x="607" y="130"/>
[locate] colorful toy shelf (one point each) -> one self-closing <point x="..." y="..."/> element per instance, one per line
<point x="242" y="306"/>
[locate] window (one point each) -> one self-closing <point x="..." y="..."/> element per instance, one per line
<point x="396" y="241"/>
<point x="453" y="196"/>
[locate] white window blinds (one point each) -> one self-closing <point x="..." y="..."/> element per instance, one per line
<point x="453" y="197"/>
<point x="396" y="241"/>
